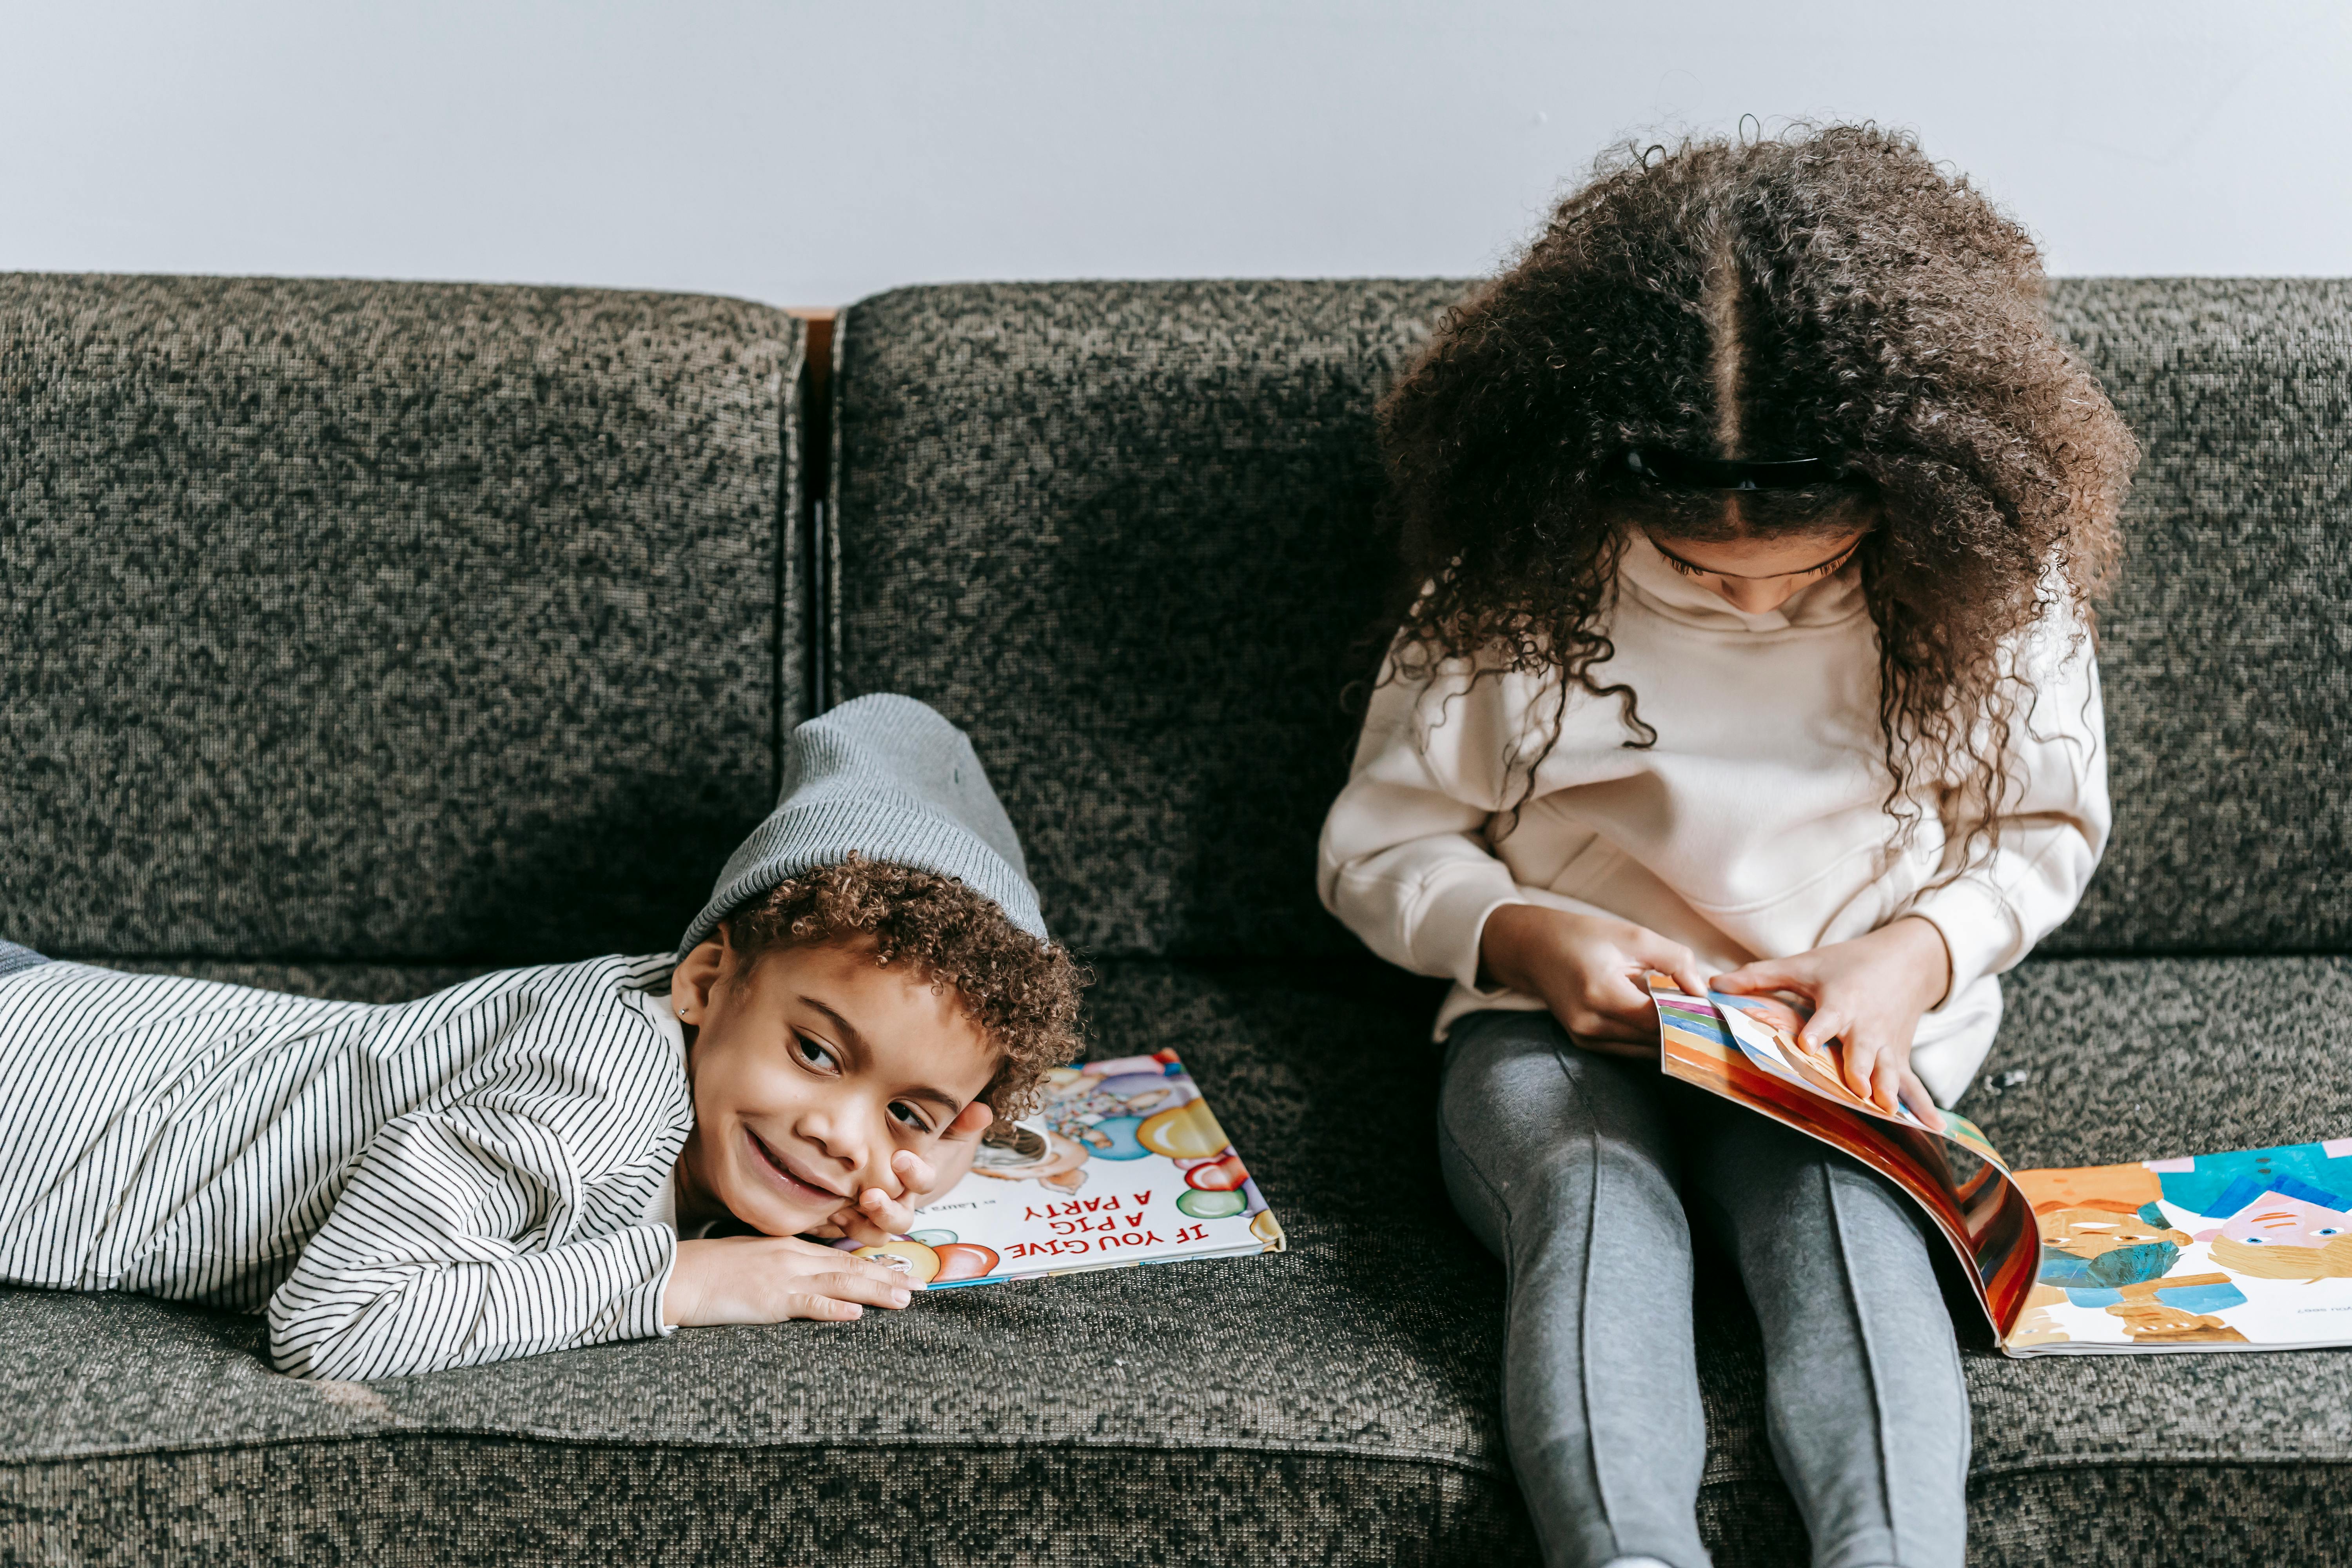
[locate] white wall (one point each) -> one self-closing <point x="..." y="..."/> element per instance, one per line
<point x="808" y="153"/>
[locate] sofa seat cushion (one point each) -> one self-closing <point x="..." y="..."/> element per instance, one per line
<point x="1291" y="1401"/>
<point x="2139" y="1059"/>
<point x="1334" y="1403"/>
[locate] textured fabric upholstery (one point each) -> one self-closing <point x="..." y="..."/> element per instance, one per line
<point x="386" y="621"/>
<point x="1333" y="1404"/>
<point x="2227" y="664"/>
<point x="1122" y="533"/>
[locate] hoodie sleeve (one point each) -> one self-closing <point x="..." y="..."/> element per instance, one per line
<point x="1404" y="862"/>
<point x="2053" y="829"/>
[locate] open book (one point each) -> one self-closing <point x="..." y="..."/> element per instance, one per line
<point x="2250" y="1249"/>
<point x="1124" y="1163"/>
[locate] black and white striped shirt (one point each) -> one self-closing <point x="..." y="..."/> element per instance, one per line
<point x="455" y="1180"/>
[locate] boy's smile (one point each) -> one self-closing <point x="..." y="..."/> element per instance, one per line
<point x="810" y="1073"/>
<point x="792" y="1182"/>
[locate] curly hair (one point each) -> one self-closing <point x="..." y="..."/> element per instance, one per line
<point x="1827" y="293"/>
<point x="1021" y="990"/>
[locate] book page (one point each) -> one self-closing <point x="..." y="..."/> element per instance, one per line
<point x="1747" y="1050"/>
<point x="1769" y="1032"/>
<point x="2249" y="1249"/>
<point x="1124" y="1163"/>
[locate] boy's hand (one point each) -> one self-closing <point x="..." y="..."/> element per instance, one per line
<point x="876" y="1217"/>
<point x="1868" y="993"/>
<point x="1589" y="970"/>
<point x="769" y="1278"/>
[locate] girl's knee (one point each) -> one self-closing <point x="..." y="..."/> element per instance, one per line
<point x="1526" y="1121"/>
<point x="1497" y="1061"/>
<point x="1522" y="1067"/>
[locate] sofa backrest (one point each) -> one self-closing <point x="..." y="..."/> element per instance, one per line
<point x="1123" y="531"/>
<point x="2226" y="654"/>
<point x="395" y="622"/>
<point x="427" y="623"/>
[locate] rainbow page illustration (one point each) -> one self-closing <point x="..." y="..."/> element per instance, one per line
<point x="1124" y="1163"/>
<point x="2249" y="1249"/>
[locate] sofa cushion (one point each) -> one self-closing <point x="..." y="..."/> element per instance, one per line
<point x="2227" y="670"/>
<point x="400" y="622"/>
<point x="1336" y="1404"/>
<point x="1123" y="533"/>
<point x="1274" y="1408"/>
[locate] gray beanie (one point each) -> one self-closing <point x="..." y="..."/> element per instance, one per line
<point x="884" y="777"/>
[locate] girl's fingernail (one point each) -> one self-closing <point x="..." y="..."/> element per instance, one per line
<point x="901" y="1298"/>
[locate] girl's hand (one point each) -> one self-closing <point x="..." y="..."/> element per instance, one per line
<point x="1869" y="993"/>
<point x="1589" y="970"/>
<point x="769" y="1278"/>
<point x="876" y="1217"/>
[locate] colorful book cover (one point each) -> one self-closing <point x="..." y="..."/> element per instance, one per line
<point x="1124" y="1163"/>
<point x="2249" y="1249"/>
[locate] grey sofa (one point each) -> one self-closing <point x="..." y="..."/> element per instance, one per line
<point x="358" y="637"/>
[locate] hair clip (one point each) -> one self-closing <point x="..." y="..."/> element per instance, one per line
<point x="1682" y="469"/>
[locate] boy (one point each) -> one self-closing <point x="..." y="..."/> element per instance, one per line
<point x="508" y="1167"/>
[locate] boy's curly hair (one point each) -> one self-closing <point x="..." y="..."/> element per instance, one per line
<point x="1827" y="293"/>
<point x="1020" y="990"/>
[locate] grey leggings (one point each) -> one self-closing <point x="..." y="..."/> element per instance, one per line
<point x="1564" y="1163"/>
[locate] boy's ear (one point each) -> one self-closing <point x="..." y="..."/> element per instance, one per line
<point x="696" y="976"/>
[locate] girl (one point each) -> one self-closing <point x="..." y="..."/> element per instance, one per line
<point x="1752" y="519"/>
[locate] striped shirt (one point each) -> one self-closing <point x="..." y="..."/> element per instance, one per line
<point x="460" y="1179"/>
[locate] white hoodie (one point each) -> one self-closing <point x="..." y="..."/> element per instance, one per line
<point x="1754" y="828"/>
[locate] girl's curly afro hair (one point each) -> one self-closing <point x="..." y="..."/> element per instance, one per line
<point x="1827" y="293"/>
<point x="1020" y="990"/>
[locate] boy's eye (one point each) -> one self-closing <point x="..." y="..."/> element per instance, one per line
<point x="813" y="1054"/>
<point x="910" y="1117"/>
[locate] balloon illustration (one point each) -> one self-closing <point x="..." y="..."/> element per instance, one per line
<point x="909" y="1257"/>
<point x="1267" y="1229"/>
<point x="963" y="1260"/>
<point x="1119" y="1133"/>
<point x="1211" y="1205"/>
<point x="1130" y="1084"/>
<point x="1221" y="1175"/>
<point x="931" y="1238"/>
<point x="1187" y="1131"/>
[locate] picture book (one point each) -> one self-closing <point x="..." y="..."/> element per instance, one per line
<point x="2248" y="1249"/>
<point x="1124" y="1163"/>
